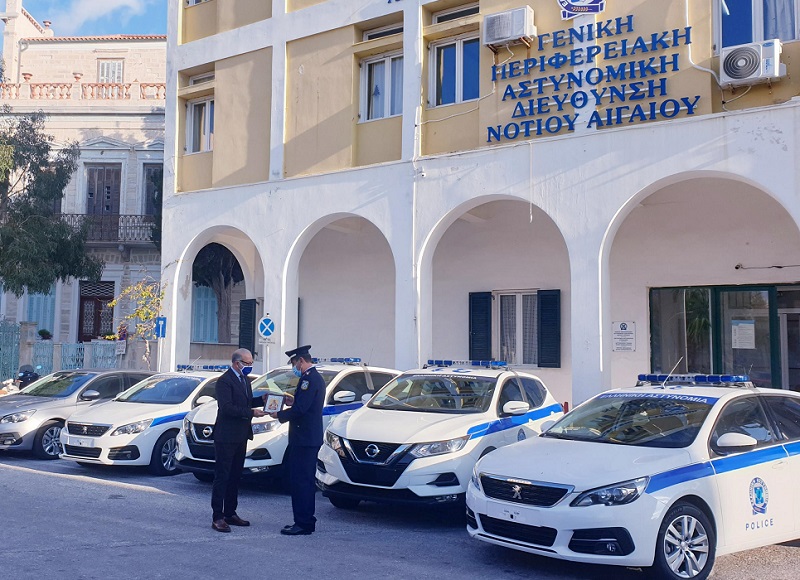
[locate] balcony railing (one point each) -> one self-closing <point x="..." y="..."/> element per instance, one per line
<point x="83" y="91"/>
<point x="114" y="227"/>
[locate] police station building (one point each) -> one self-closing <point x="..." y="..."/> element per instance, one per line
<point x="587" y="189"/>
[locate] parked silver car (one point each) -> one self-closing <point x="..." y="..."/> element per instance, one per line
<point x="31" y="420"/>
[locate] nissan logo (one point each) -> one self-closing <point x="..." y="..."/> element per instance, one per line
<point x="207" y="431"/>
<point x="372" y="451"/>
<point x="517" y="491"/>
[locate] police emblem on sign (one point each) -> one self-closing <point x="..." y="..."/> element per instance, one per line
<point x="759" y="496"/>
<point x="573" y="8"/>
<point x="304" y="386"/>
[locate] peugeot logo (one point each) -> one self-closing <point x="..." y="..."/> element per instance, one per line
<point x="85" y="429"/>
<point x="207" y="431"/>
<point x="517" y="491"/>
<point x="372" y="451"/>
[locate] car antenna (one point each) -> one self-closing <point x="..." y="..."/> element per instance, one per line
<point x="663" y="385"/>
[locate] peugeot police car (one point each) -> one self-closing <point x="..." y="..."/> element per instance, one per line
<point x="347" y="381"/>
<point x="668" y="474"/>
<point x="139" y="426"/>
<point x="418" y="438"/>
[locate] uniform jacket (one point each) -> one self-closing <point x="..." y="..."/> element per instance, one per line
<point x="305" y="414"/>
<point x="235" y="409"/>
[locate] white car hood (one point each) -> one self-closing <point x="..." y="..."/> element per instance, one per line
<point x="205" y="414"/>
<point x="583" y="464"/>
<point x="380" y="425"/>
<point x="120" y="413"/>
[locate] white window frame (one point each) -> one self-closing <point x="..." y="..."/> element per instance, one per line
<point x="207" y="139"/>
<point x="365" y="86"/>
<point x="382" y="32"/>
<point x="496" y="318"/>
<point x="202" y="78"/>
<point x="195" y="2"/>
<point x="437" y="16"/>
<point x="117" y="74"/>
<point x="757" y="24"/>
<point x="432" y="48"/>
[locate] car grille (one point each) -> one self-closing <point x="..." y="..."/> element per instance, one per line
<point x="86" y="429"/>
<point x="91" y="452"/>
<point x="374" y="471"/>
<point x="201" y="450"/>
<point x="385" y="451"/>
<point x="540" y="536"/>
<point x="520" y="492"/>
<point x="197" y="433"/>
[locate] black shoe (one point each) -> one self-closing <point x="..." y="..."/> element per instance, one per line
<point x="235" y="520"/>
<point x="220" y="526"/>
<point x="296" y="530"/>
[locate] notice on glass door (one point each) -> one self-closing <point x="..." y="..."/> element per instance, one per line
<point x="743" y="334"/>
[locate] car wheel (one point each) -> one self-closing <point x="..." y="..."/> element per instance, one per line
<point x="686" y="544"/>
<point x="205" y="477"/>
<point x="47" y="443"/>
<point x="344" y="503"/>
<point x="162" y="460"/>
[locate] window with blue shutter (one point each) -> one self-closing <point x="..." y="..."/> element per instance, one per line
<point x="480" y="325"/>
<point x="247" y="324"/>
<point x="41" y="310"/>
<point x="204" y="314"/>
<point x="549" y="306"/>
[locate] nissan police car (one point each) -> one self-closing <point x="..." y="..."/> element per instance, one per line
<point x="418" y="438"/>
<point x="669" y="474"/>
<point x="348" y="382"/>
<point x="139" y="426"/>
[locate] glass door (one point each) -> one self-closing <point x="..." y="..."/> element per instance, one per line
<point x="747" y="344"/>
<point x="790" y="348"/>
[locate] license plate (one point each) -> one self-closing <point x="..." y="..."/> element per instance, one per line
<point x="81" y="441"/>
<point x="514" y="514"/>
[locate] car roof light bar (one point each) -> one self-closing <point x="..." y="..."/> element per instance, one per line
<point x="692" y="378"/>
<point x="489" y="364"/>
<point x="184" y="368"/>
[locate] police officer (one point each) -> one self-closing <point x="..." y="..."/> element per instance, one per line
<point x="305" y="439"/>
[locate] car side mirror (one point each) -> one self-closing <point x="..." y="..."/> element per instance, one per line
<point x="733" y="441"/>
<point x="365" y="398"/>
<point x="203" y="400"/>
<point x="547" y="424"/>
<point x="344" y="397"/>
<point x="90" y="395"/>
<point x="516" y="408"/>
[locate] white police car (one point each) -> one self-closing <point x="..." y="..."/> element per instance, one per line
<point x="669" y="474"/>
<point x="418" y="438"/>
<point x="347" y="382"/>
<point x="139" y="426"/>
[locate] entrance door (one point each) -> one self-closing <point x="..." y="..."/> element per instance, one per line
<point x="102" y="201"/>
<point x="790" y="348"/>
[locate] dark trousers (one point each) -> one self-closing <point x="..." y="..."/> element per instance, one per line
<point x="302" y="479"/>
<point x="228" y="463"/>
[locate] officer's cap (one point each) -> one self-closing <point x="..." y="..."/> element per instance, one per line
<point x="298" y="352"/>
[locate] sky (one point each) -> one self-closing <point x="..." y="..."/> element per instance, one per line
<point x="100" y="17"/>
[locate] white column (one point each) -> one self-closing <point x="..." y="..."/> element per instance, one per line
<point x="412" y="80"/>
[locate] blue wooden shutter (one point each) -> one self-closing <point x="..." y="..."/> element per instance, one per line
<point x="247" y="324"/>
<point x="204" y="314"/>
<point x="549" y="305"/>
<point x="480" y="325"/>
<point x="41" y="309"/>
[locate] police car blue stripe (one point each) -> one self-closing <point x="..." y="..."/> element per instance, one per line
<point x="510" y="422"/>
<point x="726" y="464"/>
<point x="792" y="448"/>
<point x="680" y="475"/>
<point x="168" y="419"/>
<point x="338" y="409"/>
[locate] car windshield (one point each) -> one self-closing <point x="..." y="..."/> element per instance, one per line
<point x="61" y="384"/>
<point x="430" y="393"/>
<point x="282" y="381"/>
<point x="628" y="419"/>
<point x="161" y="390"/>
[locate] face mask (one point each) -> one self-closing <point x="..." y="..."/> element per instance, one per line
<point x="246" y="371"/>
<point x="297" y="372"/>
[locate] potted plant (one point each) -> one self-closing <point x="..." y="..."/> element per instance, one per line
<point x="45" y="334"/>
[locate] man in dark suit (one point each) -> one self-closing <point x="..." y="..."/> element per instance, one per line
<point x="305" y="439"/>
<point x="231" y="432"/>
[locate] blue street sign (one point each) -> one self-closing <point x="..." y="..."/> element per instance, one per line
<point x="266" y="327"/>
<point x="161" y="327"/>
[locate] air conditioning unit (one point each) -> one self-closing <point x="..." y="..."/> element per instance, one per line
<point x="509" y="27"/>
<point x="750" y="64"/>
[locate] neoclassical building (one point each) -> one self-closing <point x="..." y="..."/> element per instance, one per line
<point x="107" y="93"/>
<point x="590" y="190"/>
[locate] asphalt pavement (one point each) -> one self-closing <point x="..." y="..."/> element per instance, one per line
<point x="63" y="520"/>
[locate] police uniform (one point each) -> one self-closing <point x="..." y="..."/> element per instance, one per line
<point x="305" y="439"/>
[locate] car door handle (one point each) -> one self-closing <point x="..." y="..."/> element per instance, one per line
<point x="779" y="464"/>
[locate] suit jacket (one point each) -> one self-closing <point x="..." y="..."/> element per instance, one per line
<point x="235" y="409"/>
<point x="305" y="414"/>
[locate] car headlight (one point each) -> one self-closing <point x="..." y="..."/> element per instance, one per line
<point x="476" y="478"/>
<point x="265" y="427"/>
<point x="617" y="494"/>
<point x="18" y="417"/>
<point x="439" y="447"/>
<point x="132" y="428"/>
<point x="186" y="425"/>
<point x="334" y="442"/>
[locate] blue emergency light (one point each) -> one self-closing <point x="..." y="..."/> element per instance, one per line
<point x="342" y="360"/>
<point x="699" y="379"/>
<point x="475" y="363"/>
<point x="181" y="368"/>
